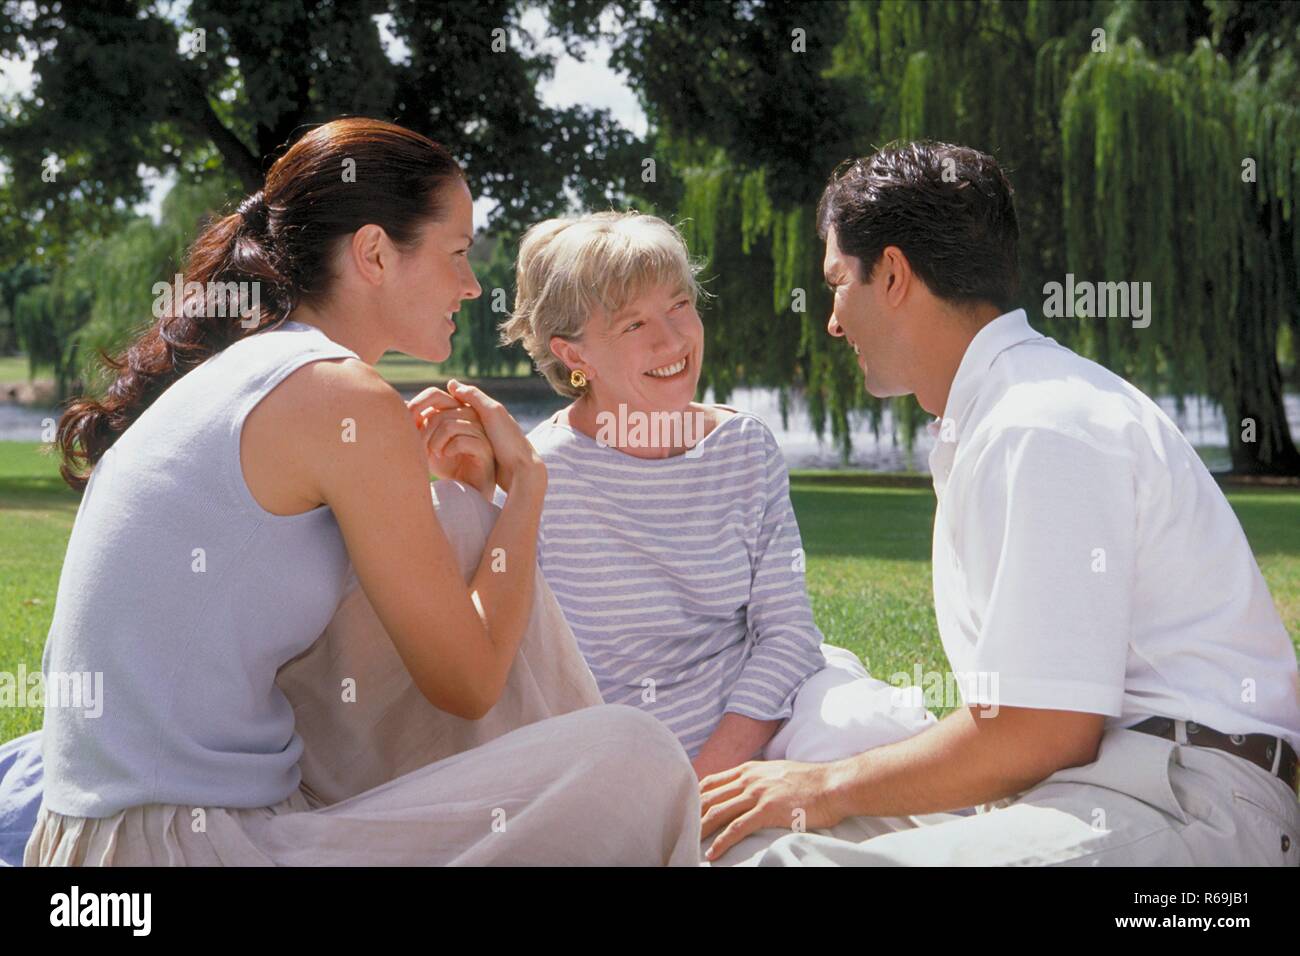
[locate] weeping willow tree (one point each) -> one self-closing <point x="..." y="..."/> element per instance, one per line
<point x="46" y="318"/>
<point x="764" y="276"/>
<point x="1178" y="176"/>
<point x="1140" y="153"/>
<point x="913" y="72"/>
<point x="103" y="297"/>
<point x="476" y="347"/>
<point x="122" y="269"/>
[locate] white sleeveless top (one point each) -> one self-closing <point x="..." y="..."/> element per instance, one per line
<point x="180" y="597"/>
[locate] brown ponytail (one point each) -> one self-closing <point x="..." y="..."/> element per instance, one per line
<point x="337" y="178"/>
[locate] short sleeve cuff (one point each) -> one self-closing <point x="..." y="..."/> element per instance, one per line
<point x="1045" y="694"/>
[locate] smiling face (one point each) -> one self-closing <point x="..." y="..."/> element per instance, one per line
<point x="862" y="315"/>
<point x="646" y="357"/>
<point x="431" y="280"/>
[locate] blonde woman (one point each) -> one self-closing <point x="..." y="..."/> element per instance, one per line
<point x="667" y="533"/>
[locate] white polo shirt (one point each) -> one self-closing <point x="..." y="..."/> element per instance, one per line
<point x="1085" y="559"/>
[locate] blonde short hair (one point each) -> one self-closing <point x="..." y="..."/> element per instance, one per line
<point x="570" y="270"/>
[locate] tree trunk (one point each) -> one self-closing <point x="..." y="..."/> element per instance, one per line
<point x="1272" y="450"/>
<point x="204" y="119"/>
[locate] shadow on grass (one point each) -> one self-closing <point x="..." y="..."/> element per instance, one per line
<point x="29" y="492"/>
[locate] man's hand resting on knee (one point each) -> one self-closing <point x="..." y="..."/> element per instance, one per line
<point x="972" y="756"/>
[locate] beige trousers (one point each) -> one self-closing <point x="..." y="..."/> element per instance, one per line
<point x="550" y="776"/>
<point x="1144" y="801"/>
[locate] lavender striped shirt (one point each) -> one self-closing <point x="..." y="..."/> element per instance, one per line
<point x="682" y="578"/>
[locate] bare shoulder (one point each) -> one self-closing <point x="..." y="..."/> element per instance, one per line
<point x="317" y="397"/>
<point x="318" y="413"/>
<point x="328" y="382"/>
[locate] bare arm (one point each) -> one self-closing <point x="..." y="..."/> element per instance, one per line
<point x="964" y="760"/>
<point x="458" y="643"/>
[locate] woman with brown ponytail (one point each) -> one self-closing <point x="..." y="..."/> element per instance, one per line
<point x="307" y="657"/>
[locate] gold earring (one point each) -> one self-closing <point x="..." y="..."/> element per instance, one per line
<point x="578" y="378"/>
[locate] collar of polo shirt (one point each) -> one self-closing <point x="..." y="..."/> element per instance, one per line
<point x="1008" y="329"/>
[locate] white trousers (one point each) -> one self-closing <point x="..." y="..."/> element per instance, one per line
<point x="841" y="711"/>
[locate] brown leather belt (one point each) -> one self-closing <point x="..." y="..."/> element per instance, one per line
<point x="1273" y="754"/>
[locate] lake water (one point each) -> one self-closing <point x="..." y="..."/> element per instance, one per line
<point x="1200" y="422"/>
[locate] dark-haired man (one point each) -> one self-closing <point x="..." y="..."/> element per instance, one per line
<point x="1145" y="703"/>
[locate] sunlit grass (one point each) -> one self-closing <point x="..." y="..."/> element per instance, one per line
<point x="13" y="368"/>
<point x="868" y="559"/>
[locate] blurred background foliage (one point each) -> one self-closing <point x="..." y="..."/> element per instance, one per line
<point x="1148" y="142"/>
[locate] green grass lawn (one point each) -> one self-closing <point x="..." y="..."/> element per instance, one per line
<point x="13" y="368"/>
<point x="868" y="564"/>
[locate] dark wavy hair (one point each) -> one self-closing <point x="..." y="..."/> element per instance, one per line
<point x="281" y="237"/>
<point x="948" y="208"/>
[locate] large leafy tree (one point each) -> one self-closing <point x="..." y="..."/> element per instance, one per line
<point x="122" y="84"/>
<point x="1128" y="155"/>
<point x="214" y="92"/>
<point x="1128" y="159"/>
<point x="13" y="283"/>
